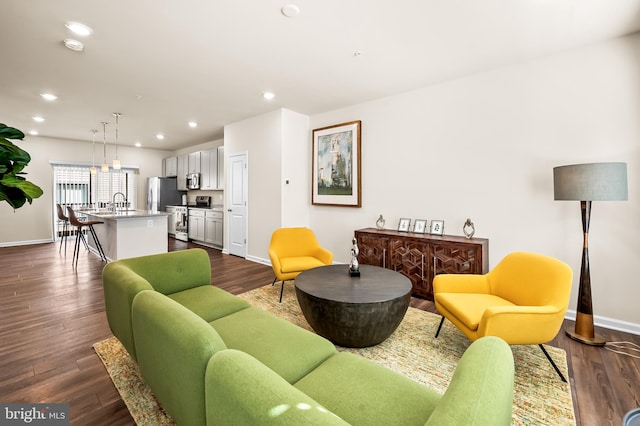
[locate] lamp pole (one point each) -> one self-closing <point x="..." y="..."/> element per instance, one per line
<point x="584" y="331"/>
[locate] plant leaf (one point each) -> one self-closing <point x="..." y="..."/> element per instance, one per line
<point x="10" y="132"/>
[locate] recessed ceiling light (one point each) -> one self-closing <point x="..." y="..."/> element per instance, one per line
<point x="38" y="118"/>
<point x="290" y="10"/>
<point x="78" y="28"/>
<point x="268" y="95"/>
<point x="33" y="132"/>
<point x="49" y="96"/>
<point x="73" y="44"/>
<point x="138" y="144"/>
<point x="193" y="124"/>
<point x="160" y="136"/>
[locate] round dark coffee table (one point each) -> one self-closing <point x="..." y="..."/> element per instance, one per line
<point x="350" y="311"/>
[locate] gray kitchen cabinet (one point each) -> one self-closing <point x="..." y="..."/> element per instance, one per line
<point x="170" y="167"/>
<point x="182" y="167"/>
<point x="194" y="162"/>
<point x="196" y="224"/>
<point x="220" y="168"/>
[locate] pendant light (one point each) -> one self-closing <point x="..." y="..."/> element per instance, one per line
<point x="93" y="168"/>
<point x="116" y="162"/>
<point x="105" y="165"/>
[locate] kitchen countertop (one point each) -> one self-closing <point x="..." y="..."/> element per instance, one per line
<point x="214" y="207"/>
<point x="122" y="214"/>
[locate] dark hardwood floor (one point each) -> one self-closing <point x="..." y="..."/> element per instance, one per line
<point x="51" y="314"/>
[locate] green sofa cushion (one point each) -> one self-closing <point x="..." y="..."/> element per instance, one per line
<point x="209" y="302"/>
<point x="287" y="349"/>
<point x="240" y="390"/>
<point x="174" y="271"/>
<point x="174" y="346"/>
<point x="364" y="393"/>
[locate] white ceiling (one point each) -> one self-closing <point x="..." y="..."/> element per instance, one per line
<point x="162" y="63"/>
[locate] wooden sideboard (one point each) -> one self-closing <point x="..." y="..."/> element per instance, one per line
<point x="420" y="257"/>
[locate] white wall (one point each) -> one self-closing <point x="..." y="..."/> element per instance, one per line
<point x="296" y="148"/>
<point x="484" y="147"/>
<point x="34" y="223"/>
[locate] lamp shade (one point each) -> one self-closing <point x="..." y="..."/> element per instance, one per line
<point x="590" y="182"/>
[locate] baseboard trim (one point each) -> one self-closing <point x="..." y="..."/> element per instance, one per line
<point x="610" y="323"/>
<point x="24" y="243"/>
<point x="259" y="260"/>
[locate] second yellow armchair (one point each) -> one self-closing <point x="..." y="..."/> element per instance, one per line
<point x="293" y="250"/>
<point x="522" y="300"/>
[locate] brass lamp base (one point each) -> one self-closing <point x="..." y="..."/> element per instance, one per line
<point x="596" y="340"/>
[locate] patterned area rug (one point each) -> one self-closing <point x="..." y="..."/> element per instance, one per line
<point x="540" y="398"/>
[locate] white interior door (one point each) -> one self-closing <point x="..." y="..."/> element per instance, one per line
<point x="237" y="188"/>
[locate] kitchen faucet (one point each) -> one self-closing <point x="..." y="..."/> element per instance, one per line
<point x="113" y="203"/>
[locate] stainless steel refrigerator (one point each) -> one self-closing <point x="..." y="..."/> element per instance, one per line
<point x="163" y="192"/>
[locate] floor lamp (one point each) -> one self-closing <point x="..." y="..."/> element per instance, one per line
<point x="587" y="183"/>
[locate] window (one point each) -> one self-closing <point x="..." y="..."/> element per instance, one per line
<point x="77" y="187"/>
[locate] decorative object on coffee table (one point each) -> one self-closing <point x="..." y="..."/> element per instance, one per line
<point x="353" y="312"/>
<point x="404" y="224"/>
<point x="354" y="267"/>
<point x="587" y="183"/>
<point x="419" y="226"/>
<point x="437" y="227"/>
<point x="468" y="228"/>
<point x="380" y="223"/>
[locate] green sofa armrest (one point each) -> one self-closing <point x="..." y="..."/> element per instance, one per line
<point x="174" y="346"/>
<point x="481" y="390"/>
<point x="120" y="286"/>
<point x="240" y="390"/>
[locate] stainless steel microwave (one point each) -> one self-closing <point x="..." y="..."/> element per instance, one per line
<point x="193" y="180"/>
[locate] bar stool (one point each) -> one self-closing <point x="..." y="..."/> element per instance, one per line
<point x="65" y="228"/>
<point x="74" y="221"/>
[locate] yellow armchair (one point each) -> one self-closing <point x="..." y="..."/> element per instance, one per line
<point x="293" y="250"/>
<point x="523" y="300"/>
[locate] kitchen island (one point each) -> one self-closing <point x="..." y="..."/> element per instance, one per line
<point x="129" y="233"/>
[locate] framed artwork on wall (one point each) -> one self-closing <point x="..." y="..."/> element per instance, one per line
<point x="437" y="227"/>
<point x="404" y="224"/>
<point x="336" y="178"/>
<point x="419" y="226"/>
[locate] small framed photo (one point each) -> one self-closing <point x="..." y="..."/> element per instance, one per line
<point x="419" y="226"/>
<point x="437" y="227"/>
<point x="404" y="225"/>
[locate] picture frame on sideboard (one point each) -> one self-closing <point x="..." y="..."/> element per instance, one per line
<point x="404" y="224"/>
<point x="420" y="226"/>
<point x="437" y="227"/>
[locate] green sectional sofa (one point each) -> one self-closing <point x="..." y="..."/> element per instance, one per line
<point x="212" y="359"/>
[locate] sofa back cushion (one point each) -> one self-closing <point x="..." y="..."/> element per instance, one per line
<point x="174" y="346"/>
<point x="174" y="271"/>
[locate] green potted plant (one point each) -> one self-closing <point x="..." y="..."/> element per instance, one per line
<point x="14" y="188"/>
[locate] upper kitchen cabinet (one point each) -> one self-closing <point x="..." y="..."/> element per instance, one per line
<point x="212" y="169"/>
<point x="195" y="159"/>
<point x="182" y="170"/>
<point x="221" y="167"/>
<point x="170" y="167"/>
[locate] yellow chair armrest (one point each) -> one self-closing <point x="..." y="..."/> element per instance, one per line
<point x="522" y="325"/>
<point x="460" y="283"/>
<point x="324" y="255"/>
